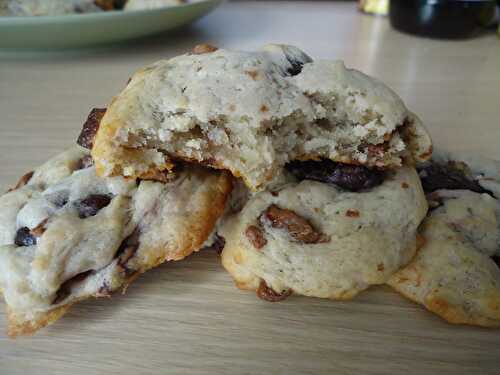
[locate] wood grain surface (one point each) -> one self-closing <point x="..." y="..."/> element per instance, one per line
<point x="187" y="317"/>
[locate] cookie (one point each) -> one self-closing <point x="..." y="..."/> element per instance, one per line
<point x="151" y="4"/>
<point x="67" y="235"/>
<point x="52" y="7"/>
<point x="252" y="112"/>
<point x="315" y="238"/>
<point x="456" y="274"/>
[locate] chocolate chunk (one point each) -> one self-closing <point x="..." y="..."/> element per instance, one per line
<point x="256" y="236"/>
<point x="352" y="213"/>
<point x="451" y="176"/>
<point x="27" y="237"/>
<point x="201" y="49"/>
<point x="65" y="289"/>
<point x="105" y="4"/>
<point x="61" y="295"/>
<point x="91" y="205"/>
<point x="295" y="69"/>
<point x="24" y="237"/>
<point x="346" y="176"/>
<point x="267" y="294"/>
<point x="496" y="259"/>
<point x="127" y="250"/>
<point x="85" y="162"/>
<point x="110" y="4"/>
<point x="119" y="4"/>
<point x="296" y="62"/>
<point x="23" y="181"/>
<point x="299" y="228"/>
<point x="60" y="199"/>
<point x="90" y="127"/>
<point x="375" y="151"/>
<point x="217" y="245"/>
<point x="104" y="290"/>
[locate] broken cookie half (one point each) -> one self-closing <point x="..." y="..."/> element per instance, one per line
<point x="456" y="274"/>
<point x="67" y="235"/>
<point x="251" y="113"/>
<point x="330" y="232"/>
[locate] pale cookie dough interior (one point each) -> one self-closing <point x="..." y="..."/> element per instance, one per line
<point x="67" y="234"/>
<point x="328" y="242"/>
<point x="251" y="112"/>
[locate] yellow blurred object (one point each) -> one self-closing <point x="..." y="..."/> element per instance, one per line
<point x="374" y="6"/>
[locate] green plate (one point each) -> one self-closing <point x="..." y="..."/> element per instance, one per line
<point x="79" y="30"/>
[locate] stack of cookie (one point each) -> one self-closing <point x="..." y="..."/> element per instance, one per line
<point x="302" y="171"/>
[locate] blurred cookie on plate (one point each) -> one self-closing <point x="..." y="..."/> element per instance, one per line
<point x="151" y="4"/>
<point x="48" y="7"/>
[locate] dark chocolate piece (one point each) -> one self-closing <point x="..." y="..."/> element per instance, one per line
<point x="268" y="294"/>
<point x="347" y="176"/>
<point x="91" y="205"/>
<point x="24" y="237"/>
<point x="90" y="128"/>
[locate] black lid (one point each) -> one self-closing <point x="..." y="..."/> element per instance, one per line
<point x="442" y="18"/>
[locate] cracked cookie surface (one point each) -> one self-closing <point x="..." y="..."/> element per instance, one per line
<point x="252" y="112"/>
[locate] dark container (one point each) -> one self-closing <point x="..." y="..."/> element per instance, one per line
<point x="449" y="19"/>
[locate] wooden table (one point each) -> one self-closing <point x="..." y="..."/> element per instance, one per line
<point x="187" y="317"/>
